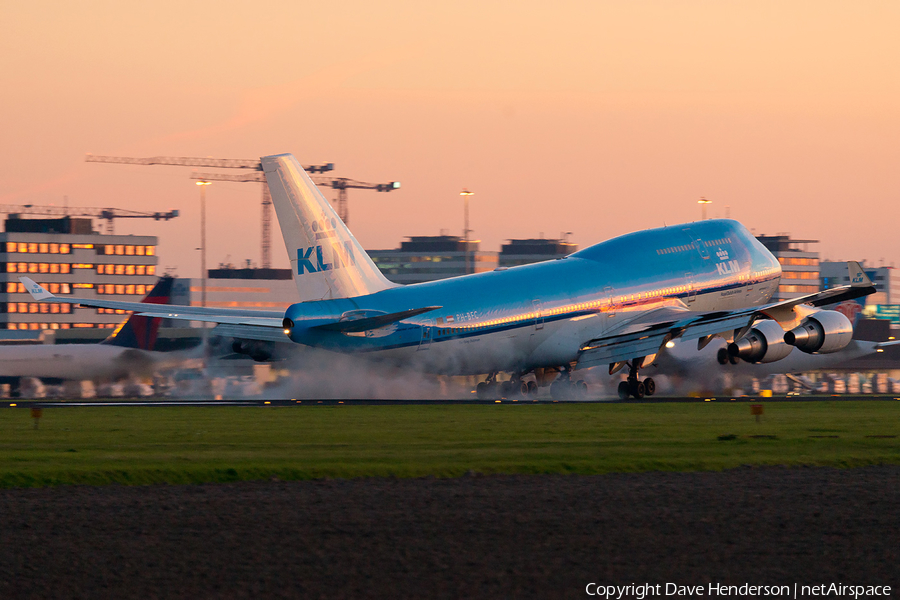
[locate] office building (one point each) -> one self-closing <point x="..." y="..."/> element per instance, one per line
<point x="248" y="288"/>
<point x="428" y="258"/>
<point x="69" y="258"/>
<point x="799" y="266"/>
<point x="523" y="252"/>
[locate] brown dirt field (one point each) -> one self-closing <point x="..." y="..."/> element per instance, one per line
<point x="473" y="537"/>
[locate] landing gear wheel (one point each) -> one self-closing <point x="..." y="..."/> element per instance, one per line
<point x="481" y="390"/>
<point x="733" y="359"/>
<point x="532" y="389"/>
<point x="624" y="392"/>
<point x="637" y="389"/>
<point x="649" y="386"/>
<point x="506" y="389"/>
<point x="722" y="356"/>
<point x="580" y="390"/>
<point x="520" y="389"/>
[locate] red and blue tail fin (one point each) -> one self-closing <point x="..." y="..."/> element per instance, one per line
<point x="140" y="332"/>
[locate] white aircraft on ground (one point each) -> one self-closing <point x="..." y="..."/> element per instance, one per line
<point x="129" y="350"/>
<point x="616" y="303"/>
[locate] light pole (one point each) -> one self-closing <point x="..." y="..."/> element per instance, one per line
<point x="703" y="202"/>
<point x="465" y="194"/>
<point x="203" y="185"/>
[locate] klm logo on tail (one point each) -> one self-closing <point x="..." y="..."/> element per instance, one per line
<point x="325" y="258"/>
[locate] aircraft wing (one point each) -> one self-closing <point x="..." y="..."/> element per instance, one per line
<point x="231" y="316"/>
<point x="648" y="333"/>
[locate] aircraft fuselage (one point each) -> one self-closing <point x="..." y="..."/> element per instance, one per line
<point x="528" y="316"/>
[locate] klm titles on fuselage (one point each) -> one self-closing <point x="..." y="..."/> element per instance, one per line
<point x="334" y="256"/>
<point x="728" y="268"/>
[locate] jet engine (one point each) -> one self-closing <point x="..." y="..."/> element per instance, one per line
<point x="822" y="332"/>
<point x="255" y="349"/>
<point x="762" y="344"/>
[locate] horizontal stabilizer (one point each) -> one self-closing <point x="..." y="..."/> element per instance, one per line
<point x="365" y="324"/>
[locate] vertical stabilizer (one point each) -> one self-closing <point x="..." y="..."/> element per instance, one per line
<point x="140" y="332"/>
<point x="326" y="259"/>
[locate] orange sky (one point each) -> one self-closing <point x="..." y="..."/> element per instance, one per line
<point x="596" y="118"/>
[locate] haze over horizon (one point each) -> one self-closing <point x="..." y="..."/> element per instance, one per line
<point x="596" y="118"/>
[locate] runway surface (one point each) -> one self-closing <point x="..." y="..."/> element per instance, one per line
<point x="471" y="537"/>
<point x="362" y="401"/>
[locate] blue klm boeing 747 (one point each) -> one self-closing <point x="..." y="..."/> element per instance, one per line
<point x="615" y="304"/>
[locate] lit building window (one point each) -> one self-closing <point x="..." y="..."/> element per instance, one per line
<point x="44" y="248"/>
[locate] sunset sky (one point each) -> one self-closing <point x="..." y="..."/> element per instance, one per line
<point x="596" y="118"/>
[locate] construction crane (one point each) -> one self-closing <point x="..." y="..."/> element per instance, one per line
<point x="219" y="163"/>
<point x="188" y="161"/>
<point x="79" y="211"/>
<point x="341" y="184"/>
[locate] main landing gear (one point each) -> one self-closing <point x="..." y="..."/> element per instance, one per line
<point x="633" y="386"/>
<point x="514" y="388"/>
<point x="566" y="389"/>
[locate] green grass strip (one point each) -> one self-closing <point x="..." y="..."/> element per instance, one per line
<point x="178" y="445"/>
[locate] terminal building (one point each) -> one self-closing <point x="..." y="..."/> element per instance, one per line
<point x="523" y="252"/>
<point x="799" y="266"/>
<point x="246" y="288"/>
<point x="69" y="258"/>
<point x="428" y="258"/>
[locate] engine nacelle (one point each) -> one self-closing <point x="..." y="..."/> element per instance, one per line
<point x="822" y="332"/>
<point x="257" y="350"/>
<point x="763" y="343"/>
